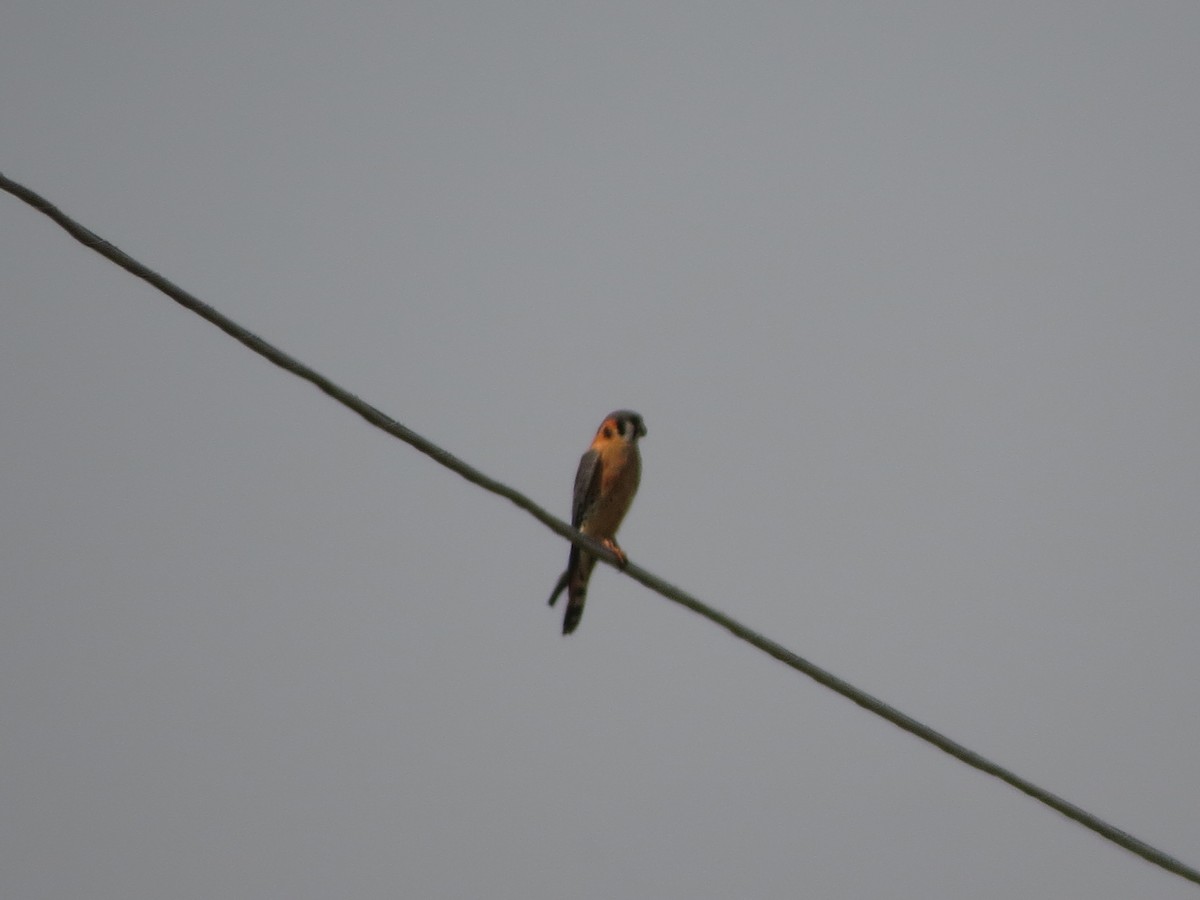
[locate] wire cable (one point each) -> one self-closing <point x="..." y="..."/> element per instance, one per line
<point x="561" y="528"/>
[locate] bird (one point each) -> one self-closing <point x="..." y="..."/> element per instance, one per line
<point x="607" y="479"/>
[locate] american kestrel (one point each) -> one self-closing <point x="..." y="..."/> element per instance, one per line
<point x="607" y="479"/>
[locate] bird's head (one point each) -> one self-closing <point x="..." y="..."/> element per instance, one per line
<point x="624" y="424"/>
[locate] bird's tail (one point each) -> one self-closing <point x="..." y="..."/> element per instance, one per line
<point x="579" y="570"/>
<point x="574" y="581"/>
<point x="574" y="610"/>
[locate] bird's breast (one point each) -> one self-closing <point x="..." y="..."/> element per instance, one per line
<point x="620" y="473"/>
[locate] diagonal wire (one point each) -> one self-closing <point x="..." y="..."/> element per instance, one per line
<point x="561" y="528"/>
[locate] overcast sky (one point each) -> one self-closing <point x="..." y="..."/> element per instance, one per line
<point x="908" y="295"/>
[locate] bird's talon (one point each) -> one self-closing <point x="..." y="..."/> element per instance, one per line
<point x="622" y="559"/>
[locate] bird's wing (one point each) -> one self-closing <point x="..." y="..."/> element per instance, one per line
<point x="587" y="486"/>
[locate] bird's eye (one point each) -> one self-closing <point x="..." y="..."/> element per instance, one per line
<point x="607" y="431"/>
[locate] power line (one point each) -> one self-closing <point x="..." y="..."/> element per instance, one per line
<point x="561" y="528"/>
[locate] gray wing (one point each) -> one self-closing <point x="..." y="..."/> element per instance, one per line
<point x="587" y="486"/>
<point x="579" y="565"/>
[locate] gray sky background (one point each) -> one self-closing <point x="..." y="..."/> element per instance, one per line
<point x="908" y="297"/>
